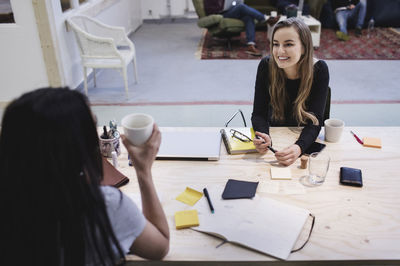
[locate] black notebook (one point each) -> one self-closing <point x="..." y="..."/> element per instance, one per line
<point x="236" y="189"/>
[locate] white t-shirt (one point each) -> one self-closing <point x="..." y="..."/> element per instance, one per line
<point x="126" y="219"/>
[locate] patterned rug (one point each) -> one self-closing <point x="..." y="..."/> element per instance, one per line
<point x="382" y="44"/>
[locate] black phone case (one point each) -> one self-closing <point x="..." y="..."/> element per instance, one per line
<point x="315" y="147"/>
<point x="350" y="177"/>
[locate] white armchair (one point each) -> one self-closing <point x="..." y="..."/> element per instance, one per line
<point x="103" y="46"/>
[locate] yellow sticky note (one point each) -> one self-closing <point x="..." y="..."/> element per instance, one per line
<point x="185" y="219"/>
<point x="372" y="142"/>
<point x="281" y="173"/>
<point x="190" y="196"/>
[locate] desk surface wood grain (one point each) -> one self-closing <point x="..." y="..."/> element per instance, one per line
<point x="351" y="223"/>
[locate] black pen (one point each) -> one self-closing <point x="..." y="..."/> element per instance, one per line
<point x="105" y="134"/>
<point x="208" y="199"/>
<point x="269" y="147"/>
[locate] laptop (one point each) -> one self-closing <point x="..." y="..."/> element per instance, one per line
<point x="190" y="145"/>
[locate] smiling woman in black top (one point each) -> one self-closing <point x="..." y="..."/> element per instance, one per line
<point x="291" y="89"/>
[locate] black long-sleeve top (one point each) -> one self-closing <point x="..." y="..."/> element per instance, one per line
<point x="262" y="110"/>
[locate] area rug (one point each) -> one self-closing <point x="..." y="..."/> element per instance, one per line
<point x="381" y="44"/>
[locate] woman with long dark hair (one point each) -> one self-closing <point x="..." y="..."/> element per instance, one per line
<point x="291" y="89"/>
<point x="54" y="211"/>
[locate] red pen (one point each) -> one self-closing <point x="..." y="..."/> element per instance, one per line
<point x="357" y="138"/>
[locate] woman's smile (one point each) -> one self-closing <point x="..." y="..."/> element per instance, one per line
<point x="287" y="50"/>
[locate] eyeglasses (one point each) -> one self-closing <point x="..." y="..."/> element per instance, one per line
<point x="240" y="136"/>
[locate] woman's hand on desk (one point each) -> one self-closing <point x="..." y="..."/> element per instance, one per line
<point x="288" y="155"/>
<point x="143" y="156"/>
<point x="262" y="142"/>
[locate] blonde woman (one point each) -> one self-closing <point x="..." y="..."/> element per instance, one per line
<point x="291" y="90"/>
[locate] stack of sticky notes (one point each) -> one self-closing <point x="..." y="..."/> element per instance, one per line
<point x="281" y="173"/>
<point x="185" y="219"/>
<point x="372" y="142"/>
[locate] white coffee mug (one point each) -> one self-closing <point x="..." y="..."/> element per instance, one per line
<point x="274" y="14"/>
<point x="333" y="129"/>
<point x="137" y="127"/>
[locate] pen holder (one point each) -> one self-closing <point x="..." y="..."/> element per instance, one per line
<point x="107" y="146"/>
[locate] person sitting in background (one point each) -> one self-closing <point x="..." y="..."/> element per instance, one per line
<point x="237" y="9"/>
<point x="352" y="11"/>
<point x="283" y="4"/>
<point x="291" y="90"/>
<point x="54" y="210"/>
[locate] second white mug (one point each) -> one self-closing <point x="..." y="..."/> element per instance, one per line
<point x="333" y="129"/>
<point x="137" y="127"/>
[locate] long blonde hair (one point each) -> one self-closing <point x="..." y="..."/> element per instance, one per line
<point x="304" y="69"/>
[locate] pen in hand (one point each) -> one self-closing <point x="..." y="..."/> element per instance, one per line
<point x="272" y="149"/>
<point x="269" y="146"/>
<point x="208" y="199"/>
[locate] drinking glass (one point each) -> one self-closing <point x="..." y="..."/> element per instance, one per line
<point x="318" y="167"/>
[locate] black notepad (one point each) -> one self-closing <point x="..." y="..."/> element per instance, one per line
<point x="236" y="189"/>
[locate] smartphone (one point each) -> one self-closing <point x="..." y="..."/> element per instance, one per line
<point x="315" y="147"/>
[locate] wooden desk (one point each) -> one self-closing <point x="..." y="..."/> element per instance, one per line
<point x="351" y="223"/>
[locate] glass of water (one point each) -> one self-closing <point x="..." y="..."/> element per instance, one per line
<point x="318" y="167"/>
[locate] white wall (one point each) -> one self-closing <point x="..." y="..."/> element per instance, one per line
<point x="21" y="62"/>
<point x="156" y="9"/>
<point x="22" y="66"/>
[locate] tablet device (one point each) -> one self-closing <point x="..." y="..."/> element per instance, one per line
<point x="315" y="147"/>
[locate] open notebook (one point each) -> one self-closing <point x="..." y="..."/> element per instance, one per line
<point x="262" y="224"/>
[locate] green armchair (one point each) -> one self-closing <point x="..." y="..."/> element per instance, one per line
<point x="217" y="25"/>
